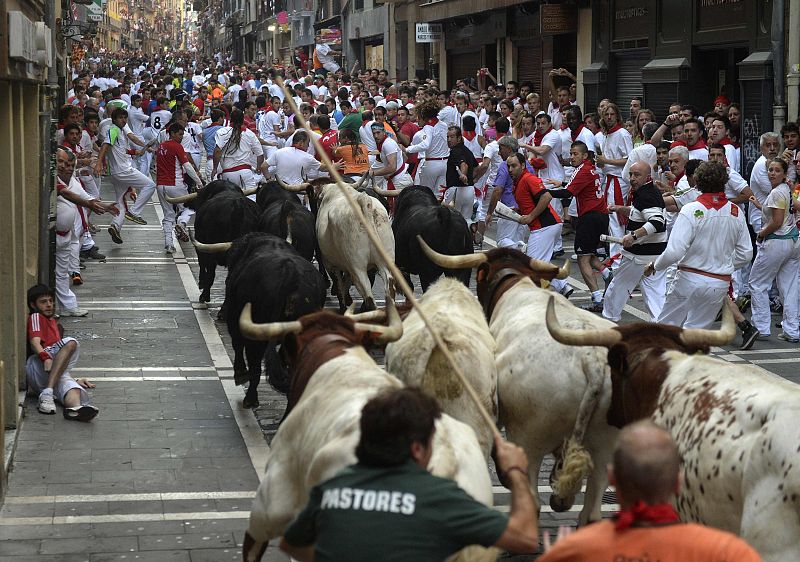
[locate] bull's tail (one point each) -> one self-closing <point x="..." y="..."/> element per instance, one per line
<point x="576" y="462"/>
<point x="374" y="216"/>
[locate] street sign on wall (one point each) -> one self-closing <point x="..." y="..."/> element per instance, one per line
<point x="429" y="32"/>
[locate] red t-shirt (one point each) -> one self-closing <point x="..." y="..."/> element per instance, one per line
<point x="528" y="189"/>
<point x="170" y="159"/>
<point x="328" y="142"/>
<point x="200" y="105"/>
<point x="410" y="129"/>
<point x="40" y="326"/>
<point x="589" y="194"/>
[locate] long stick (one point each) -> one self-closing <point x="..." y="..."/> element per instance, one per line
<point x="398" y="277"/>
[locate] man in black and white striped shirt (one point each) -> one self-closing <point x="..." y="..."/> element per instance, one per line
<point x="645" y="239"/>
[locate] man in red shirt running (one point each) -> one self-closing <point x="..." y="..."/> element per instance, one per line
<point x="585" y="186"/>
<point x="50" y="360"/>
<point x="171" y="162"/>
<point x="329" y="139"/>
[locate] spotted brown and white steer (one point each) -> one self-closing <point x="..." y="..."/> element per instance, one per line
<point x="736" y="426"/>
<point x="332" y="378"/>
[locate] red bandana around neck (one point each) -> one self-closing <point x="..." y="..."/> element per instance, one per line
<point x="469" y="135"/>
<point x="576" y="132"/>
<point x="725" y="141"/>
<point x="614" y="129"/>
<point x="432" y="122"/>
<point x="698" y="145"/>
<point x="713" y="200"/>
<point x="679" y="176"/>
<point x="539" y="137"/>
<point x="659" y="514"/>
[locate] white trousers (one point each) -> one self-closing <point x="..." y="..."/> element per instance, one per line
<point x="542" y="244"/>
<point x="559" y="209"/>
<point x="617" y="190"/>
<point x="461" y="198"/>
<point x="241" y="178"/>
<point x="511" y="234"/>
<point x="37" y="377"/>
<point x="131" y="179"/>
<point x="483" y="208"/>
<point x="183" y="215"/>
<point x="779" y="260"/>
<point x="629" y="274"/>
<point x="400" y="181"/>
<point x="431" y="174"/>
<point x="65" y="298"/>
<point x="693" y="300"/>
<point x="741" y="281"/>
<point x="209" y="168"/>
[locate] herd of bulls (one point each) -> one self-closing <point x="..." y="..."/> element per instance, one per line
<point x="559" y="379"/>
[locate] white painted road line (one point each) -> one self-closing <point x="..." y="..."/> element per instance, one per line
<point x="124" y="518"/>
<point x="144" y="496"/>
<point x="142" y="369"/>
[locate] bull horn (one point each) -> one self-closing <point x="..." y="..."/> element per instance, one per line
<point x="452" y="262"/>
<point x="566" y="336"/>
<point x="247" y="192"/>
<point x="541" y="266"/>
<point x="371" y="316"/>
<point x="272" y="330"/>
<point x="294" y="187"/>
<point x="360" y="182"/>
<point x="563" y="271"/>
<point x="386" y="334"/>
<point x="387" y="192"/>
<point x="181" y="198"/>
<point x="695" y="337"/>
<point x="217" y="248"/>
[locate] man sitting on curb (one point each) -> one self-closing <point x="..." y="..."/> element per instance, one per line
<point x="52" y="358"/>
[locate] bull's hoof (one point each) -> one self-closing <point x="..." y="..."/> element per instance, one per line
<point x="559" y="505"/>
<point x="367" y="306"/>
<point x="279" y="383"/>
<point x="222" y="315"/>
<point x="240" y="377"/>
<point x="250" y="401"/>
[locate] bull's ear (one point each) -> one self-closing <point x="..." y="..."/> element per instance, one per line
<point x="480" y="274"/>
<point x="618" y="358"/>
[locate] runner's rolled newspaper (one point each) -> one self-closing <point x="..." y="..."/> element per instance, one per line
<point x="506" y="212"/>
<point x="607" y="238"/>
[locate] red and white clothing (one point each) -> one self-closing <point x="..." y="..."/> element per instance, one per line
<point x="292" y="165"/>
<point x="171" y="158"/>
<point x="586" y="188"/>
<point x="708" y="242"/>
<point x="328" y="141"/>
<point x="731" y="153"/>
<point x="485" y="183"/>
<point x="70" y="224"/>
<point x="44" y="328"/>
<point x="268" y="125"/>
<point x="123" y="175"/>
<point x="698" y="151"/>
<point x="617" y="145"/>
<point x="433" y="142"/>
<point x="400" y="179"/>
<point x="238" y="162"/>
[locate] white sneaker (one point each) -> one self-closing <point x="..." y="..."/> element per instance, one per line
<point x="47" y="405"/>
<point x="74" y="312"/>
<point x="169" y="250"/>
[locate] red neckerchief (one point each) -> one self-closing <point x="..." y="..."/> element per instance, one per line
<point x="538" y="137"/>
<point x="659" y="514"/>
<point x="469" y="135"/>
<point x="614" y="129"/>
<point x="713" y="200"/>
<point x="562" y="127"/>
<point x="698" y="145"/>
<point x="73" y="148"/>
<point x="574" y="134"/>
<point x="679" y="176"/>
<point x="675" y="143"/>
<point x="432" y="122"/>
<point x="726" y="141"/>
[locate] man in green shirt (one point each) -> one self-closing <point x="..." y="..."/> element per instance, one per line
<point x="388" y="507"/>
<point x="351" y="120"/>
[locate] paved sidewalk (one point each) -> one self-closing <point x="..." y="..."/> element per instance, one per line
<point x="166" y="471"/>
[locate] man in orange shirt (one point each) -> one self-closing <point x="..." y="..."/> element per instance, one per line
<point x="647" y="474"/>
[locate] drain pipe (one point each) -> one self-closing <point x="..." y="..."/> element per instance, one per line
<point x="793" y="80"/>
<point x="778" y="32"/>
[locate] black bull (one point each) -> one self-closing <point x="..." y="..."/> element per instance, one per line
<point x="281" y="285"/>
<point x="418" y="212"/>
<point x="223" y="214"/>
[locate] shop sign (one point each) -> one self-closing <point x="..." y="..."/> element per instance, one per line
<point x="630" y="19"/>
<point x="94" y="11"/>
<point x="720" y="14"/>
<point x="429" y="32"/>
<point x="557" y="19"/>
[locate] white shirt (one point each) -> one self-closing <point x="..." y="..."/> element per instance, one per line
<point x="136" y="119"/>
<point x="388" y="148"/>
<point x="732" y="156"/>
<point x="311" y="150"/>
<point x="192" y="132"/>
<point x="735" y="185"/>
<point x="367" y="138"/>
<point x="699" y="154"/>
<point x="247" y="153"/>
<point x="684" y="194"/>
<point x="474" y="147"/>
<point x="267" y="125"/>
<point x="642" y="153"/>
<point x="554" y="169"/>
<point x="324" y="53"/>
<point x="555" y="115"/>
<point x="118" y="158"/>
<point x="434" y="141"/>
<point x="708" y="239"/>
<point x="449" y="115"/>
<point x="616" y="145"/>
<point x="760" y="186"/>
<point x="159" y="119"/>
<point x="293" y="165"/>
<point x="492" y="152"/>
<point x="233" y="92"/>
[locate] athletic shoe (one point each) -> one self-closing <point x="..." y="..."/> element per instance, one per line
<point x="788" y="339"/>
<point x="47" y="404"/>
<point x="594" y="307"/>
<point x="94" y="254"/>
<point x="76" y="279"/>
<point x="169" y="250"/>
<point x="558" y="253"/>
<point x="743" y="302"/>
<point x="115" y="234"/>
<point x="74" y="312"/>
<point x="567" y="291"/>
<point x="134" y="218"/>
<point x="181" y="233"/>
<point x="749" y="335"/>
<point x="83" y="413"/>
<point x="762" y="337"/>
<point x="574" y="257"/>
